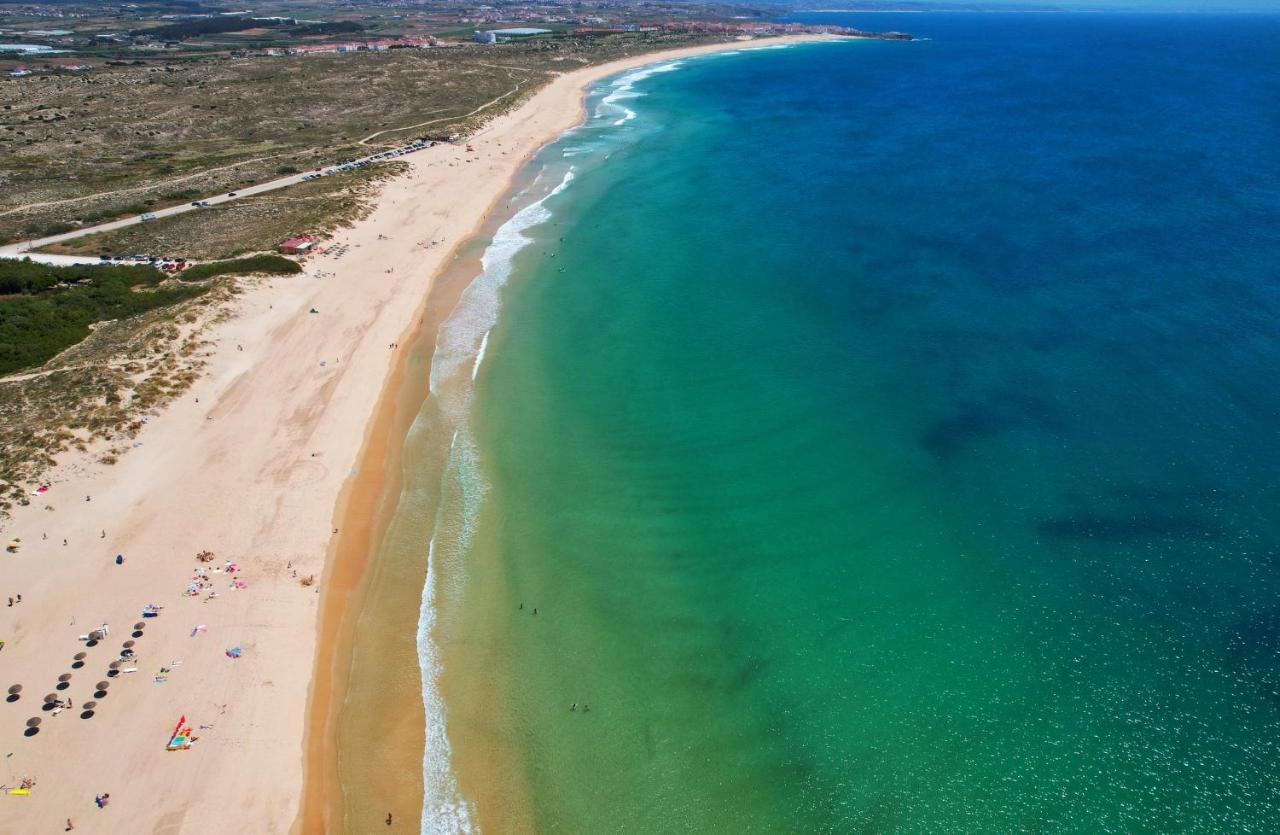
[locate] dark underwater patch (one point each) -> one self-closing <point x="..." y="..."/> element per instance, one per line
<point x="975" y="421"/>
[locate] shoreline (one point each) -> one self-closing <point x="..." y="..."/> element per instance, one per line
<point x="287" y="435"/>
<point x="323" y="792"/>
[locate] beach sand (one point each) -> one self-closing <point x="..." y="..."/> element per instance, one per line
<point x="292" y="433"/>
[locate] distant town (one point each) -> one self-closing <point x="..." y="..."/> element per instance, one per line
<point x="41" y="38"/>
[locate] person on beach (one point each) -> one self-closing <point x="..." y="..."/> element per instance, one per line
<point x="119" y="559"/>
<point x="70" y="826"/>
<point x="388" y="818"/>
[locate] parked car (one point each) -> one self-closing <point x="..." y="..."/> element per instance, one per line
<point x="148" y="216"/>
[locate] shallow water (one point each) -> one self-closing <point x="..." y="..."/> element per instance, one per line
<point x="886" y="437"/>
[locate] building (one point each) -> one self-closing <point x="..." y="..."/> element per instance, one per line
<point x="485" y="37"/>
<point x="300" y="245"/>
<point x="520" y="32"/>
<point x="19" y="72"/>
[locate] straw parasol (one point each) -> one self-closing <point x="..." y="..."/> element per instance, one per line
<point x="65" y="677"/>
<point x="33" y="721"/>
<point x="129" y="644"/>
<point x="103" y="685"/>
<point x="51" y="698"/>
<point x="15" y="689"/>
<point x="90" y="705"/>
<point x="114" y="665"/>
<point x="80" y="656"/>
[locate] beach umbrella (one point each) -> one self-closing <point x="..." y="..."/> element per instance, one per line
<point x="103" y="685"/>
<point x="33" y="721"/>
<point x="114" y="665"/>
<point x="129" y="644"/>
<point x="65" y="677"/>
<point x="15" y="689"/>
<point x="51" y="698"/>
<point x="90" y="705"/>
<point x="139" y="625"/>
<point x="80" y="656"/>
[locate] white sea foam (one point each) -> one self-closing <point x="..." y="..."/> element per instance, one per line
<point x="443" y="809"/>
<point x="484" y="343"/>
<point x="623" y="87"/>
<point x="477" y="310"/>
<point x="463" y="340"/>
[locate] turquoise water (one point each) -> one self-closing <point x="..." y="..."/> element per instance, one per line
<point x="886" y="434"/>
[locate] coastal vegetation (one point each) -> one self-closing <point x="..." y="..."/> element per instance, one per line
<point x="255" y="223"/>
<point x="45" y="309"/>
<point x="94" y="395"/>
<point x="266" y="263"/>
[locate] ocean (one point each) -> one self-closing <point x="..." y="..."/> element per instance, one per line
<point x="871" y="436"/>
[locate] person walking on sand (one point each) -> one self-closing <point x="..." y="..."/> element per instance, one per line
<point x="388" y="818"/>
<point x="70" y="826"/>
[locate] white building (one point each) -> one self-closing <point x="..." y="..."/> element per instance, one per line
<point x="485" y="37"/>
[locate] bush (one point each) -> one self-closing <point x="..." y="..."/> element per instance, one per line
<point x="273" y="264"/>
<point x="49" y="309"/>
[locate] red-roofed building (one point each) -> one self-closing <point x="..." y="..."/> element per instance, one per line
<point x="300" y="245"/>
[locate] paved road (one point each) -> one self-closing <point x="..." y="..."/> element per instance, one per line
<point x="23" y="249"/>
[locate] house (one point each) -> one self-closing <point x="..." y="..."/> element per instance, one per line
<point x="299" y="245"/>
<point x="19" y="72"/>
<point x="485" y="37"/>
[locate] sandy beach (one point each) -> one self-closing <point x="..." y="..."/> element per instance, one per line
<point x="285" y="441"/>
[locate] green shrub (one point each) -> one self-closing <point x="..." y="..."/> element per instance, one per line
<point x="274" y="264"/>
<point x="46" y="309"/>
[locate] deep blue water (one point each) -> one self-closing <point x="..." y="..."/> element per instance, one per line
<point x="893" y="440"/>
